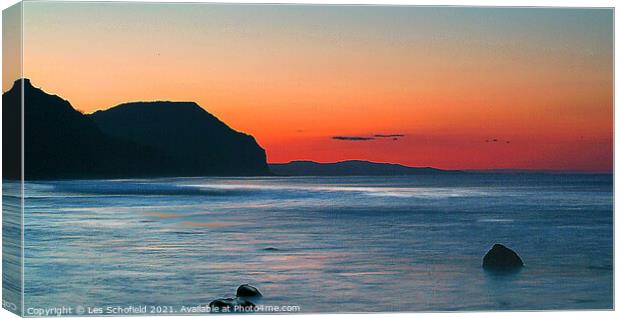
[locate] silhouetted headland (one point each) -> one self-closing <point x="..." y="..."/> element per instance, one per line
<point x="130" y="140"/>
<point x="196" y="141"/>
<point x="350" y="168"/>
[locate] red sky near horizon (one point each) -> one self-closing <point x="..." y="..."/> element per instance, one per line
<point x="451" y="80"/>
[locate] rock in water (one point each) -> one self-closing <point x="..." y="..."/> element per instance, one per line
<point x="238" y="304"/>
<point x="246" y="290"/>
<point x="501" y="258"/>
<point x="222" y="303"/>
<point x="232" y="305"/>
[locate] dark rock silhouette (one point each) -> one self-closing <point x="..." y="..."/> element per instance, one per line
<point x="350" y="168"/>
<point x="246" y="290"/>
<point x="232" y="305"/>
<point x="131" y="140"/>
<point x="241" y="303"/>
<point x="197" y="142"/>
<point x="11" y="131"/>
<point x="501" y="258"/>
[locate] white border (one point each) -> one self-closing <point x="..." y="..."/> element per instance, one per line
<point x="509" y="3"/>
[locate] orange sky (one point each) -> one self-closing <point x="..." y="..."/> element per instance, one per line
<point x="295" y="76"/>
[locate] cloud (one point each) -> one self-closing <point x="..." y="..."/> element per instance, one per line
<point x="389" y="135"/>
<point x="366" y="138"/>
<point x="352" y="138"/>
<point x="497" y="140"/>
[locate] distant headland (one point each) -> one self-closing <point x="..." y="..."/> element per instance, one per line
<point x="351" y="168"/>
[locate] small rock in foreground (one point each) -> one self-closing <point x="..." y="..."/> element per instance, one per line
<point x="246" y="290"/>
<point x="231" y="305"/>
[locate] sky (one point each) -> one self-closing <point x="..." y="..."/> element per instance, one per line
<point x="462" y="87"/>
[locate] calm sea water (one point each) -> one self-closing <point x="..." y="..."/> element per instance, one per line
<point x="321" y="243"/>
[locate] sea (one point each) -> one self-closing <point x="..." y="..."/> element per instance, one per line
<point x="310" y="244"/>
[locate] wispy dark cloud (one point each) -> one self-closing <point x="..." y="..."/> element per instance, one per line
<point x="352" y="138"/>
<point x="495" y="140"/>
<point x="389" y="135"/>
<point x="366" y="138"/>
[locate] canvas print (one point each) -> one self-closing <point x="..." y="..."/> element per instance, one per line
<point x="194" y="158"/>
